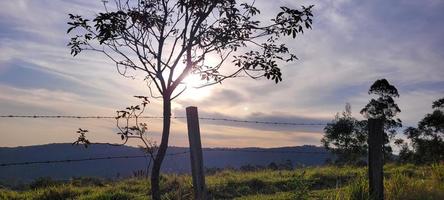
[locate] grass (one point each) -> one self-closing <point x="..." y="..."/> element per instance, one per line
<point x="328" y="182"/>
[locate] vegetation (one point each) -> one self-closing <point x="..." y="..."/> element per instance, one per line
<point x="384" y="107"/>
<point x="427" y="139"/>
<point x="168" y="40"/>
<point x="329" y="182"/>
<point x="346" y="137"/>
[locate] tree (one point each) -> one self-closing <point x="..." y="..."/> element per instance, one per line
<point x="169" y="39"/>
<point x="385" y="108"/>
<point x="405" y="154"/>
<point x="346" y="137"/>
<point x="428" y="138"/>
<point x="129" y="127"/>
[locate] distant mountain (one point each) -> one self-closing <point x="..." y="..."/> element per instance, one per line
<point x="213" y="158"/>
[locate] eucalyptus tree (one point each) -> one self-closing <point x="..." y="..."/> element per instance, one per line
<point x="346" y="137"/>
<point x="384" y="107"/>
<point x="168" y="40"/>
<point x="428" y="138"/>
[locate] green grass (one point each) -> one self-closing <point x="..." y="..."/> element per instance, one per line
<point x="329" y="182"/>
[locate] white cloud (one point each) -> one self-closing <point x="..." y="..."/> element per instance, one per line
<point x="349" y="47"/>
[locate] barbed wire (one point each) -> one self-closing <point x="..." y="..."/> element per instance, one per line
<point x="170" y="154"/>
<point x="263" y="122"/>
<point x="64" y="116"/>
<point x="174" y="117"/>
<point x="157" y="117"/>
<point x="83" y="159"/>
<point x="270" y="151"/>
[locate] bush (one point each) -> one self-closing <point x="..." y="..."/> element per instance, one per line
<point x="57" y="193"/>
<point x="301" y="186"/>
<point x="177" y="187"/>
<point x="401" y="186"/>
<point x="43" y="182"/>
<point x="9" y="195"/>
<point x="437" y="173"/>
<point x="87" y="182"/>
<point x="358" y="190"/>
<point x="111" y="195"/>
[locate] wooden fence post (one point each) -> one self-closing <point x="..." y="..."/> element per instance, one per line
<point x="375" y="158"/>
<point x="196" y="153"/>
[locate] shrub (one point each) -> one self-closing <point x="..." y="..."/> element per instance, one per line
<point x="57" y="193"/>
<point x="43" y="182"/>
<point x="358" y="190"/>
<point x="86" y="181"/>
<point x="111" y="195"/>
<point x="301" y="186"/>
<point x="177" y="187"/>
<point x="437" y="173"/>
<point x="9" y="195"/>
<point x="401" y="186"/>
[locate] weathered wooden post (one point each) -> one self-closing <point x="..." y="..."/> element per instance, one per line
<point x="375" y="158"/>
<point x="196" y="153"/>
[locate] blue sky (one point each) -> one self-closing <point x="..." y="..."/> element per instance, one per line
<point x="352" y="44"/>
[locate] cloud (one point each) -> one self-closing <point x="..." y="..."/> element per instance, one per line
<point x="219" y="98"/>
<point x="52" y="100"/>
<point x="229" y="136"/>
<point x="352" y="44"/>
<point x="225" y="120"/>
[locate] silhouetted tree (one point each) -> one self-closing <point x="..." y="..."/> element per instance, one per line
<point x="385" y="108"/>
<point x="287" y="165"/>
<point x="169" y="39"/>
<point x="428" y="138"/>
<point x="438" y="104"/>
<point x="130" y="127"/>
<point x="346" y="137"/>
<point x="405" y="154"/>
<point x="273" y="166"/>
<point x="247" y="168"/>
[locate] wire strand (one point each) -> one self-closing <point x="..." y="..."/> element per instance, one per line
<point x="174" y="117"/>
<point x="83" y="159"/>
<point x="170" y="154"/>
<point x="269" y="151"/>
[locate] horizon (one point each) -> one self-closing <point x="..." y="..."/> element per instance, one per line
<point x="305" y="145"/>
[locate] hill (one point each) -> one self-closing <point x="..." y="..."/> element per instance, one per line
<point x="213" y="158"/>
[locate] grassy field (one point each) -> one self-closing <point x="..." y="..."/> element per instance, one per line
<point x="401" y="182"/>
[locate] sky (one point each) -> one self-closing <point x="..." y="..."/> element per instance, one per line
<point x="352" y="44"/>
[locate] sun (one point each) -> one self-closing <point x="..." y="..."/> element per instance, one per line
<point x="192" y="82"/>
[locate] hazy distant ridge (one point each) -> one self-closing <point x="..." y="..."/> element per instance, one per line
<point x="124" y="167"/>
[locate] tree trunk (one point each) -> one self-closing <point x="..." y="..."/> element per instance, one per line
<point x="155" y="172"/>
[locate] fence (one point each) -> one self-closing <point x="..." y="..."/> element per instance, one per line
<point x="375" y="172"/>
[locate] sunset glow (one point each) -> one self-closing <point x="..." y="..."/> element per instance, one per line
<point x="352" y="44"/>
